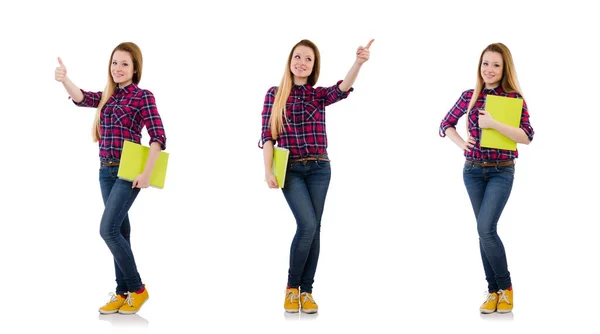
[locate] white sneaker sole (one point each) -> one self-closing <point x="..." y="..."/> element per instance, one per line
<point x="310" y="311"/>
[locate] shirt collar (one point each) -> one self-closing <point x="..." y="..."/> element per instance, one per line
<point x="127" y="89"/>
<point x="497" y="90"/>
<point x="304" y="88"/>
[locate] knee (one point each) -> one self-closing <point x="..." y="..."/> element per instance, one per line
<point x="107" y="233"/>
<point x="487" y="233"/>
<point x="308" y="227"/>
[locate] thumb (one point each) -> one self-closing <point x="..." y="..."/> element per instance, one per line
<point x="134" y="184"/>
<point x="61" y="63"/>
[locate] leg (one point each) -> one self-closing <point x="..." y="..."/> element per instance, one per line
<point x="318" y="184"/>
<point x="476" y="185"/>
<point x="297" y="195"/>
<point x="107" y="180"/>
<point x="500" y="181"/>
<point x="115" y="228"/>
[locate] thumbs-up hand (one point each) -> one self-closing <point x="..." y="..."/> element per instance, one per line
<point x="60" y="74"/>
<point x="362" y="54"/>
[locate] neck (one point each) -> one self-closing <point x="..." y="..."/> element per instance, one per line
<point x="492" y="86"/>
<point x="300" y="81"/>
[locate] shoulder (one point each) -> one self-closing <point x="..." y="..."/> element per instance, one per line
<point x="467" y="93"/>
<point x="272" y="91"/>
<point x="144" y="92"/>
<point x="515" y="95"/>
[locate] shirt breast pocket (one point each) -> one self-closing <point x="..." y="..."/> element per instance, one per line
<point x="122" y="116"/>
<point x="312" y="111"/>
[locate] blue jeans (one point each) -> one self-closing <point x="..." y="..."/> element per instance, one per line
<point x="305" y="189"/>
<point x="115" y="227"/>
<point x="489" y="189"/>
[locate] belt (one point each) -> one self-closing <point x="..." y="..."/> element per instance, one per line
<point x="497" y="163"/>
<point x="109" y="163"/>
<point x="320" y="157"/>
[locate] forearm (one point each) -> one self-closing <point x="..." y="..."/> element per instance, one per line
<point x="268" y="156"/>
<point x="73" y="90"/>
<point x="152" y="157"/>
<point x="350" y="77"/>
<point x="515" y="134"/>
<point x="455" y="137"/>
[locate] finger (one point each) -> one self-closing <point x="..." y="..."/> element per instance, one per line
<point x="61" y="63"/>
<point x="369" y="45"/>
<point x="134" y="184"/>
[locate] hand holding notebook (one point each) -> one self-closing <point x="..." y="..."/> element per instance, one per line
<point x="506" y="110"/>
<point x="279" y="164"/>
<point x="133" y="161"/>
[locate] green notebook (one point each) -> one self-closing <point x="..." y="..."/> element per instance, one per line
<point x="279" y="166"/>
<point x="133" y="161"/>
<point x="505" y="110"/>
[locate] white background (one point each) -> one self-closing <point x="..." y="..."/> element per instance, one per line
<point x="399" y="244"/>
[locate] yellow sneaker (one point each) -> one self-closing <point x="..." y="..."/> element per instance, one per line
<point x="308" y="303"/>
<point x="134" y="302"/>
<point x="291" y="303"/>
<point x="505" y="301"/>
<point x="113" y="305"/>
<point x="489" y="305"/>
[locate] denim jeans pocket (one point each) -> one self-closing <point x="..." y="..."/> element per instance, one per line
<point x="322" y="164"/>
<point x="467" y="168"/>
<point x="506" y="170"/>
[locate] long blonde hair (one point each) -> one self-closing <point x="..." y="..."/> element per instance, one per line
<point x="111" y="86"/>
<point x="509" y="81"/>
<point x="285" y="88"/>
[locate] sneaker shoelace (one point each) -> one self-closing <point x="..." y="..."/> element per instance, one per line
<point x="113" y="298"/>
<point x="129" y="299"/>
<point x="490" y="297"/>
<point x="292" y="296"/>
<point x="307" y="296"/>
<point x="503" y="297"/>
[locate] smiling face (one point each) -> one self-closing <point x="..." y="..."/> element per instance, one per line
<point x="492" y="66"/>
<point x="301" y="64"/>
<point x="121" y="68"/>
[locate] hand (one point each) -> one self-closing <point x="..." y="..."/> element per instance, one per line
<point x="141" y="181"/>
<point x="60" y="74"/>
<point x="272" y="181"/>
<point x="486" y="120"/>
<point x="363" y="53"/>
<point x="468" y="145"/>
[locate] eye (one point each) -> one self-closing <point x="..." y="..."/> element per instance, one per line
<point x="114" y="63"/>
<point x="125" y="64"/>
<point x="309" y="59"/>
<point x="297" y="57"/>
<point x="485" y="63"/>
<point x="497" y="65"/>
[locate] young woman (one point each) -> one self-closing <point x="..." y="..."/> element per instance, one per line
<point x="123" y="109"/>
<point x="293" y="116"/>
<point x="488" y="172"/>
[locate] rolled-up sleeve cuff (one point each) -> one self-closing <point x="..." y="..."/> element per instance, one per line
<point x="443" y="128"/>
<point x="162" y="140"/>
<point x="84" y="102"/>
<point x="339" y="91"/>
